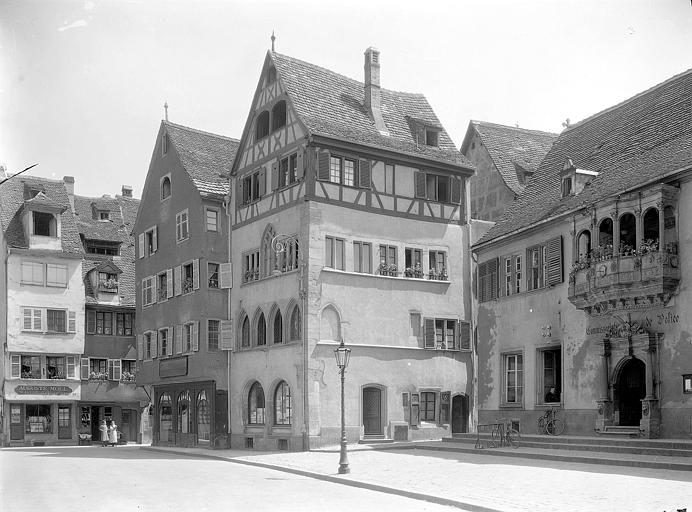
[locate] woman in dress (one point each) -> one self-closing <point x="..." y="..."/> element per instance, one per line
<point x="103" y="428"/>
<point x="113" y="434"/>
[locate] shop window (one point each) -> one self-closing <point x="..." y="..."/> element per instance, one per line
<point x="427" y="406"/>
<point x="203" y="418"/>
<point x="184" y="413"/>
<point x="255" y="406"/>
<point x="165" y="418"/>
<point x="283" y="408"/>
<point x="44" y="224"/>
<point x="295" y="327"/>
<point x="513" y="379"/>
<point x="38" y="419"/>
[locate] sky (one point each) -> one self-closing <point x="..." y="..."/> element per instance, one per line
<point x="83" y="83"/>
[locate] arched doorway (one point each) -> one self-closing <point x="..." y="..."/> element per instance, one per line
<point x="372" y="411"/>
<point x="630" y="389"/>
<point x="460" y="413"/>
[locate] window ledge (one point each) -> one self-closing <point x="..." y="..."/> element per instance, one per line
<point x="511" y="406"/>
<point x="397" y="278"/>
<point x="271" y="276"/>
<point x="548" y="405"/>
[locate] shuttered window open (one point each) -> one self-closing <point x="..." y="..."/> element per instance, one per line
<point x="464" y="336"/>
<point x="429" y="332"/>
<point x="456" y="190"/>
<point x="487" y="280"/>
<point x="554" y="261"/>
<point x="364" y="179"/>
<point x="323" y="166"/>
<point x="419" y="184"/>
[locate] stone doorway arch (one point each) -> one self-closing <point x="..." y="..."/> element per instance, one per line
<point x="629" y="390"/>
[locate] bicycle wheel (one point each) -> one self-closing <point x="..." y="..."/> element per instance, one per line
<point x="555" y="427"/>
<point x="513" y="438"/>
<point x="540" y="425"/>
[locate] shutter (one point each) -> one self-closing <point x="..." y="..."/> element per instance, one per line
<point x="154" y="344"/>
<point x="140" y="347"/>
<point x="300" y="164"/>
<point x="169" y="283"/>
<point x="482" y="277"/>
<point x="84" y="368"/>
<point x="154" y="291"/>
<point x="356" y="177"/>
<point x="226" y="335"/>
<point x="71" y="321"/>
<point x="110" y="369"/>
<point x="154" y="239"/>
<point x="240" y="198"/>
<point x="429" y="332"/>
<point x="225" y="275"/>
<point x="554" y="263"/>
<point x="91" y="321"/>
<point x="117" y="369"/>
<point x="141" y="245"/>
<point x="492" y="270"/>
<point x="364" y="174"/>
<point x="503" y="275"/>
<point x="456" y="190"/>
<point x="178" y="335"/>
<point x="195" y="336"/>
<point x="465" y="335"/>
<point x="70" y="367"/>
<point x="262" y="182"/>
<point x="177" y="280"/>
<point x="275" y="176"/>
<point x="195" y="274"/>
<point x="419" y="184"/>
<point x="323" y="166"/>
<point x="16" y="371"/>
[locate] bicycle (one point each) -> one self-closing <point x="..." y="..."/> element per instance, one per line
<point x="549" y="423"/>
<point x="508" y="436"/>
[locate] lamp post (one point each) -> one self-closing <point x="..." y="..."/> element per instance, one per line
<point x="342" y="355"/>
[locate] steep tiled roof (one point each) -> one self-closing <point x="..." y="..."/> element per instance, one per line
<point x="332" y="105"/>
<point x="205" y="156"/>
<point x="90" y="227"/>
<point x="634" y="142"/>
<point x="509" y="146"/>
<point x="51" y="194"/>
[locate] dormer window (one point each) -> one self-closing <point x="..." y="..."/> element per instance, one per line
<point x="279" y="115"/>
<point x="431" y="137"/>
<point x="262" y="125"/>
<point x="108" y="282"/>
<point x="104" y="215"/>
<point x="165" y="188"/>
<point x="44" y="224"/>
<point x="566" y="187"/>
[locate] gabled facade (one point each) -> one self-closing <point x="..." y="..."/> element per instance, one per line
<point x="506" y="158"/>
<point x="581" y="287"/>
<point x="43" y="333"/>
<point x="348" y="216"/>
<point x="181" y="284"/>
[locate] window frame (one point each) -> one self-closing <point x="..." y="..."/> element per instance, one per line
<point x="182" y="226"/>
<point x="519" y="387"/>
<point x="34" y="266"/>
<point x="259" y="418"/>
<point x="52" y="224"/>
<point x="283" y="405"/>
<point x="541" y="387"/>
<point x="160" y="342"/>
<point x="213" y="347"/>
<point x="215" y="211"/>
<point x="359" y="257"/>
<point x="332" y="245"/>
<point x="148" y="286"/>
<point x="211" y="274"/>
<point x="162" y="182"/>
<point x="423" y="410"/>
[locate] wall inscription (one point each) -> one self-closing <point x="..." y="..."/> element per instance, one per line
<point x="653" y="321"/>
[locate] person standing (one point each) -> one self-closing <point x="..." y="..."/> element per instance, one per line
<point x="113" y="434"/>
<point x="103" y="428"/>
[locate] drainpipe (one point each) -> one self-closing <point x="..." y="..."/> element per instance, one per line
<point x="229" y="315"/>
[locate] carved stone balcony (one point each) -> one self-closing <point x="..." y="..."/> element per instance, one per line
<point x="616" y="283"/>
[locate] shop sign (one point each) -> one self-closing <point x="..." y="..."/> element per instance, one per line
<point x="174" y="367"/>
<point x="651" y="322"/>
<point x="43" y="390"/>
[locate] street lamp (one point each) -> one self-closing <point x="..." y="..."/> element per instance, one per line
<point x="342" y="355"/>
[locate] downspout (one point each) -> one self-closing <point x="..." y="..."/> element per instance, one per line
<point x="229" y="316"/>
<point x="303" y="293"/>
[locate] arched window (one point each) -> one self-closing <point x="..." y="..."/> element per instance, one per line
<point x="605" y="232"/>
<point x="279" y="115"/>
<point x="245" y="333"/>
<point x="261" y="330"/>
<point x="165" y="418"/>
<point x="584" y="244"/>
<point x="255" y="405"/>
<point x="628" y="233"/>
<point x="262" y="125"/>
<point x="330" y="324"/>
<point x="268" y="254"/>
<point x="295" y="330"/>
<point x="651" y="225"/>
<point x="278" y="328"/>
<point x="203" y="418"/>
<point x="283" y="408"/>
<point x="165" y="188"/>
<point x="184" y="413"/>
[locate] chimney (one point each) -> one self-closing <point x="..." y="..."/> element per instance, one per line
<point x="69" y="186"/>
<point x="372" y="89"/>
<point x="127" y="191"/>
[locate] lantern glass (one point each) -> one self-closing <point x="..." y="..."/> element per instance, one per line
<point x="342" y="355"/>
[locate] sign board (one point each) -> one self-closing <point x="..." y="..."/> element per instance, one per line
<point x="47" y="390"/>
<point x="42" y="390"/>
<point x="173" y="367"/>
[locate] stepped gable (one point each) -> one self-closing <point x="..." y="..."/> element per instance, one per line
<point x="18" y="190"/>
<point x="636" y="141"/>
<point x="510" y="146"/>
<point x="332" y="105"/>
<point x="206" y="157"/>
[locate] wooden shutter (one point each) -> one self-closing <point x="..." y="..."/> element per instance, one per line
<point x="140" y="347"/>
<point x="154" y="291"/>
<point x="487" y="280"/>
<point x="456" y="190"/>
<point x="419" y="184"/>
<point x="356" y="173"/>
<point x="465" y="335"/>
<point x="429" y="332"/>
<point x="71" y="321"/>
<point x="300" y="164"/>
<point x="178" y="280"/>
<point x="239" y="195"/>
<point x="195" y="274"/>
<point x="141" y="245"/>
<point x="364" y="180"/>
<point x="154" y="239"/>
<point x="178" y="334"/>
<point x="262" y="182"/>
<point x="195" y="336"/>
<point x="84" y="368"/>
<point x="169" y="283"/>
<point x="323" y="166"/>
<point x="16" y="370"/>
<point x="110" y="369"/>
<point x="275" y="176"/>
<point x="91" y="321"/>
<point x="226" y="335"/>
<point x="554" y="263"/>
<point x="117" y="369"/>
<point x="502" y="272"/>
<point x="154" y="344"/>
<point x="225" y="275"/>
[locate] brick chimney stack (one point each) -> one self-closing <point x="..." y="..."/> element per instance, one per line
<point x="68" y="181"/>
<point x="372" y="89"/>
<point x="127" y="191"/>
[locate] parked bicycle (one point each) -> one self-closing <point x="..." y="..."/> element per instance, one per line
<point x="507" y="435"/>
<point x="549" y="423"/>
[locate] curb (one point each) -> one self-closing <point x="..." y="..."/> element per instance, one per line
<point x="337" y="480"/>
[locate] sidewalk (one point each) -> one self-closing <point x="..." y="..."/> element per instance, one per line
<point x="478" y="482"/>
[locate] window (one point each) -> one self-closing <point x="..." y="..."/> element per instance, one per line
<point x="335" y="169"/>
<point x="288" y="170"/>
<point x="148" y="242"/>
<point x="164" y="349"/>
<point x="104" y="322"/>
<point x="165" y="141"/>
<point x="251" y="266"/>
<point x="213" y="273"/>
<point x="55" y="367"/>
<point x="295" y="330"/>
<point x="431" y="137"/>
<point x="511" y="268"/>
<point x="123" y="324"/>
<point x="389" y="179"/>
<point x="108" y="282"/>
<point x="104" y="215"/>
<point x="188" y="335"/>
<point x="487" y="280"/>
<point x="438" y="265"/>
<point x="334" y="253"/>
<point x="32" y="273"/>
<point x="413" y="259"/>
<point x="255" y="405"/>
<point x="278" y="328"/>
<point x="56" y="320"/>
<point x="245" y="333"/>
<point x="32" y="319"/>
<point x="349" y="172"/>
<point x="31" y="367"/>
<point x="165" y="188"/>
<point x="212" y="218"/>
<point x="147" y="345"/>
<point x="287" y="258"/>
<point x="388" y="258"/>
<point x="262" y="125"/>
<point x="162" y="287"/>
<point x="513" y="390"/>
<point x="102" y="247"/>
<point x="437" y="187"/>
<point x="283" y="409"/>
<point x="148" y="291"/>
<point x="181" y="226"/>
<point x="98" y="369"/>
<point x="687" y="383"/>
<point x="56" y="275"/>
<point x="271" y="75"/>
<point x="184" y="413"/>
<point x="544" y="264"/>
<point x="279" y="115"/>
<point x="44" y="224"/>
<point x="550" y="375"/>
<point x="188" y="278"/>
<point x="38" y="419"/>
<point x="427" y="406"/>
<point x="362" y="257"/>
<point x="213" y="334"/>
<point x="441" y="334"/>
<point x="261" y="330"/>
<point x="129" y="370"/>
<point x="253" y="187"/>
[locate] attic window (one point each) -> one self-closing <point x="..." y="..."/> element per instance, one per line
<point x="104" y="215"/>
<point x="164" y="144"/>
<point x="44" y="224"/>
<point x="102" y="247"/>
<point x="431" y="137"/>
<point x="262" y="125"/>
<point x="279" y="115"/>
<point x="165" y="187"/>
<point x="566" y="186"/>
<point x="271" y="75"/>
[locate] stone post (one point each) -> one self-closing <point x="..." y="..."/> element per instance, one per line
<point x="650" y="424"/>
<point x="605" y="404"/>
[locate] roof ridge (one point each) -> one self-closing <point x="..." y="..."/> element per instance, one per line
<point x="631" y="98"/>
<point x="189" y="128"/>
<point x="515" y="128"/>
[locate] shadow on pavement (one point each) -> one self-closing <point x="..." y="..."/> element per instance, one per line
<point x="99" y="452"/>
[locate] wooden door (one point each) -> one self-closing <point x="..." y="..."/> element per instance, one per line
<point x="64" y="422"/>
<point x="459" y="414"/>
<point x="129" y="425"/>
<point x="16" y="422"/>
<point x="372" y="411"/>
